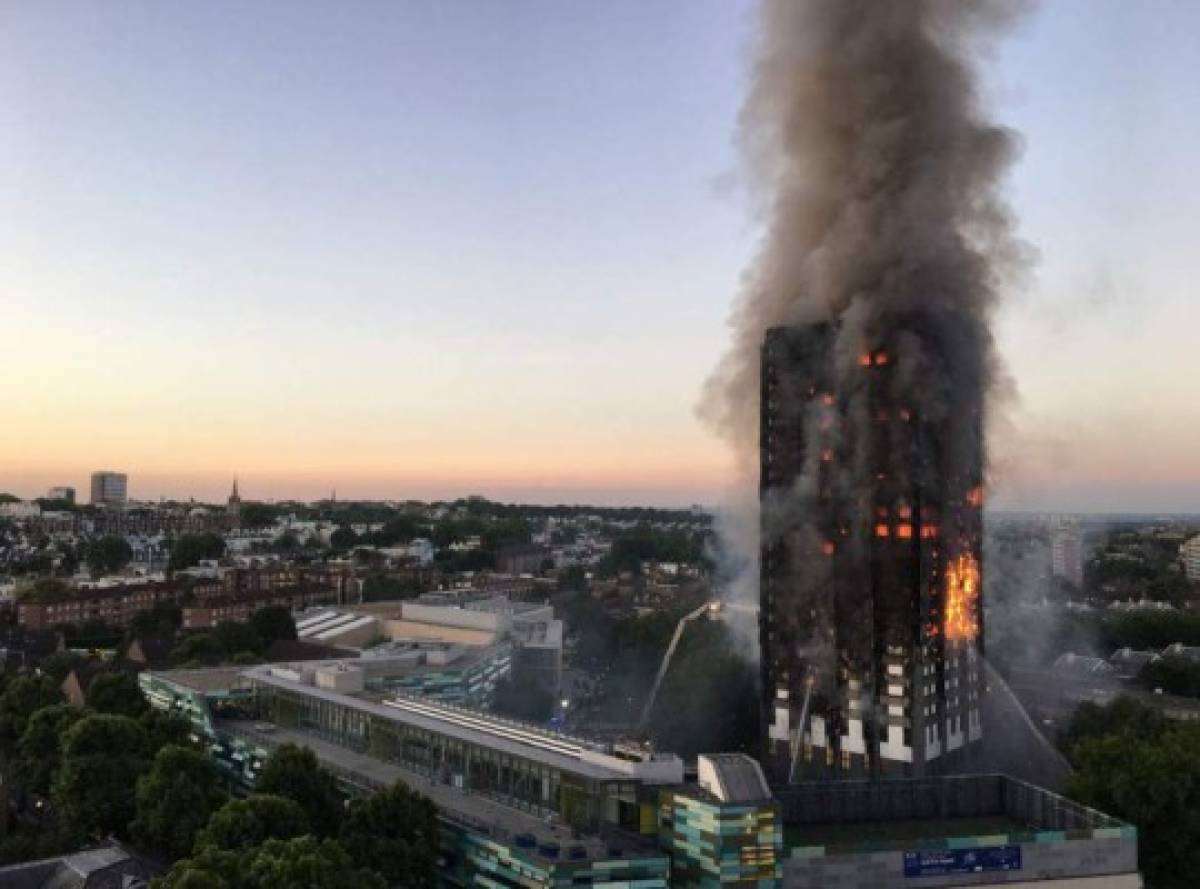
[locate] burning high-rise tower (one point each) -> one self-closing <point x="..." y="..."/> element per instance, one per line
<point x="870" y="618"/>
<point x="863" y="355"/>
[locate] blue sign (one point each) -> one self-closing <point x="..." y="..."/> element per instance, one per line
<point x="961" y="861"/>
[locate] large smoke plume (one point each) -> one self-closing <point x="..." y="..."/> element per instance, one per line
<point x="877" y="174"/>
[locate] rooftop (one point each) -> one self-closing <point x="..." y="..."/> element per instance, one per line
<point x="517" y="739"/>
<point x="477" y="811"/>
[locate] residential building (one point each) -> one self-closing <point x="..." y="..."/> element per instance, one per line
<point x="109" y="488"/>
<point x="1127" y="663"/>
<point x="521" y="559"/>
<point x="20" y="509"/>
<point x="1189" y="552"/>
<point x="238" y="607"/>
<point x="870" y="617"/>
<point x="1066" y="554"/>
<point x="213" y="594"/>
<point x="61" y="493"/>
<point x="107" y="866"/>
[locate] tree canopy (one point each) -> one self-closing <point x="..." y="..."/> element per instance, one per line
<point x="107" y="555"/>
<point x="395" y="833"/>
<point x="273" y="623"/>
<point x="276" y="864"/>
<point x="175" y="800"/>
<point x="40" y="748"/>
<point x="190" y="549"/>
<point x="116" y="692"/>
<point x="244" y="823"/>
<point x="103" y="756"/>
<point x="293" y="772"/>
<point x="22" y="697"/>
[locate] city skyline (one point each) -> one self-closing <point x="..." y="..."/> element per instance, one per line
<point x="385" y="253"/>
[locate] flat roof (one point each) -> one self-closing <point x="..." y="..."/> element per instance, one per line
<point x="474" y="730"/>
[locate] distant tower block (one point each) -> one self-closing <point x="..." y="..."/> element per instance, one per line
<point x="870" y="620"/>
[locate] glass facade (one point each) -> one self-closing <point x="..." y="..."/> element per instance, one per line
<point x="518" y="781"/>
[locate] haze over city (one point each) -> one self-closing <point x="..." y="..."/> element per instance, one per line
<point x="430" y="250"/>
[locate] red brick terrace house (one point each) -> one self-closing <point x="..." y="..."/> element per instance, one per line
<point x="238" y="608"/>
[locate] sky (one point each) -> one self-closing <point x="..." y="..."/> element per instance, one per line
<point x="427" y="249"/>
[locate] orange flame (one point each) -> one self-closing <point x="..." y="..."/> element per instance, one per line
<point x="864" y="360"/>
<point x="882" y="530"/>
<point x="975" y="496"/>
<point x="962" y="598"/>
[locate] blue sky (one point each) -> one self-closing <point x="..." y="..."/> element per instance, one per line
<point x="428" y="248"/>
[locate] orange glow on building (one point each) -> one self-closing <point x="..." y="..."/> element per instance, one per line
<point x="864" y="360"/>
<point x="882" y="530"/>
<point x="962" y="598"/>
<point x="904" y="531"/>
<point x="827" y="547"/>
<point x="975" y="496"/>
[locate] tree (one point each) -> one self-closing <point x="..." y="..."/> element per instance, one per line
<point x="244" y="823"/>
<point x="309" y="862"/>
<point x="190" y="549"/>
<point x="285" y="543"/>
<point x="276" y="864"/>
<point x="117" y="692"/>
<point x="257" y="515"/>
<point x="47" y="591"/>
<point x="108" y="554"/>
<point x="199" y="648"/>
<point x="273" y="623"/>
<point x="164" y="619"/>
<point x="93" y="792"/>
<point x="293" y="772"/>
<point x="1125" y="715"/>
<point x="1154" y="783"/>
<point x="60" y="664"/>
<point x="175" y="800"/>
<point x="1173" y="674"/>
<point x="233" y="637"/>
<point x="381" y="588"/>
<point x="207" y="869"/>
<point x="395" y="833"/>
<point x="22" y="697"/>
<point x="40" y="748"/>
<point x="343" y="538"/>
<point x="162" y="729"/>
<point x="400" y="529"/>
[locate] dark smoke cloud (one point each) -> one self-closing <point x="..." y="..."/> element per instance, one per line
<point x="877" y="174"/>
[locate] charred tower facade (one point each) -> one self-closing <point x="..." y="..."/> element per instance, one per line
<point x="870" y="614"/>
